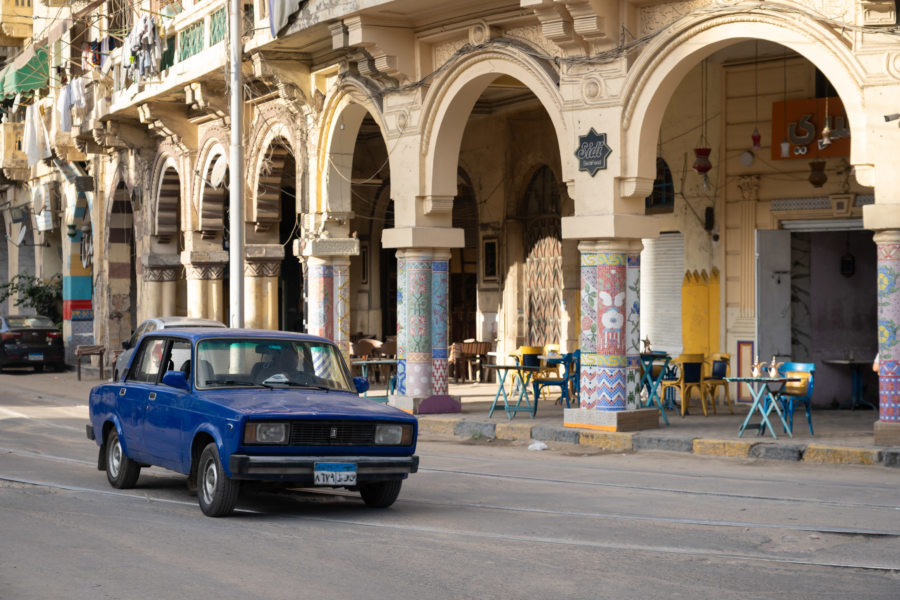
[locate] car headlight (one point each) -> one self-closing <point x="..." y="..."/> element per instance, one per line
<point x="266" y="433"/>
<point x="393" y="435"/>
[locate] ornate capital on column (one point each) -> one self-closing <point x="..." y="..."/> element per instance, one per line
<point x="615" y="246"/>
<point x="887" y="236"/>
<point x="262" y="268"/>
<point x="160" y="274"/>
<point x="205" y="272"/>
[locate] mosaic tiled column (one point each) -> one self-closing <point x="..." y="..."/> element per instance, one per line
<point x="440" y="319"/>
<point x="887" y="430"/>
<point x="401" y="323"/>
<point x="417" y="316"/>
<point x="328" y="300"/>
<point x="77" y="292"/>
<point x="603" y="331"/>
<point x="633" y="325"/>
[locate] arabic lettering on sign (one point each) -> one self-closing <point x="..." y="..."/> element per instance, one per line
<point x="592" y="152"/>
<point x="800" y="123"/>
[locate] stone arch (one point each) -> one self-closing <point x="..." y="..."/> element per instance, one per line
<point x="121" y="262"/>
<point x="166" y="191"/>
<point x="344" y="112"/>
<point x="664" y="63"/>
<point x="274" y="138"/>
<point x="450" y="100"/>
<point x="208" y="205"/>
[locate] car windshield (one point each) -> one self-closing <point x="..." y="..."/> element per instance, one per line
<point x="260" y="362"/>
<point x="29" y="322"/>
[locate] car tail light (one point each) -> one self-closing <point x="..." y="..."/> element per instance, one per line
<point x="51" y="335"/>
<point x="11" y="335"/>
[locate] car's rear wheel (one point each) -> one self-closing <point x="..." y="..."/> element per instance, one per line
<point x="121" y="471"/>
<point x="216" y="493"/>
<point x="381" y="494"/>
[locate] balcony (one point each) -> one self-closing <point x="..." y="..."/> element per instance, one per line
<point x="12" y="159"/>
<point x="15" y="22"/>
<point x="193" y="46"/>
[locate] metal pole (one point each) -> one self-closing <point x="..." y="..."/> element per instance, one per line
<point x="236" y="180"/>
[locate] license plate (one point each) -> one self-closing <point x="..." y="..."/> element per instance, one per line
<point x="36" y="356"/>
<point x="334" y="473"/>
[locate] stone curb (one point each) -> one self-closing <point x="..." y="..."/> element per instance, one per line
<point x="625" y="442"/>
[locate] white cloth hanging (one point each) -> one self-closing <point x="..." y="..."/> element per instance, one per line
<point x="64" y="108"/>
<point x="77" y="92"/>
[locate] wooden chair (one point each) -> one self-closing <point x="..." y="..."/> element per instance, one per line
<point x="716" y="368"/>
<point x="690" y="378"/>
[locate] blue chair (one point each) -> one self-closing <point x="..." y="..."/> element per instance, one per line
<point x="565" y="381"/>
<point x="795" y="392"/>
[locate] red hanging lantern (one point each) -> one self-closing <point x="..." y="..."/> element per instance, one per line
<point x="702" y="164"/>
<point x="817" y="176"/>
<point x="757" y="139"/>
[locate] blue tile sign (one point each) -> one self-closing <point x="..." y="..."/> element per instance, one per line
<point x="592" y="152"/>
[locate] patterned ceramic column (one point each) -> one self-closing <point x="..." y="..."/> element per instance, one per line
<point x="341" y="295"/>
<point x="320" y="301"/>
<point x="603" y="333"/>
<point x="440" y="316"/>
<point x="633" y="325"/>
<point x="888" y="328"/>
<point x="417" y="312"/>
<point x="401" y="323"/>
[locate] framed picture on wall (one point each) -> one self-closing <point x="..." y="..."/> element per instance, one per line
<point x="489" y="265"/>
<point x="364" y="263"/>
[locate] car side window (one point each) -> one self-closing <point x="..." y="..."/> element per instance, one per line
<point x="148" y="362"/>
<point x="179" y="357"/>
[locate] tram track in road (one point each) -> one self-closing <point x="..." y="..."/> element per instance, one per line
<point x="711" y="555"/>
<point x="869" y="532"/>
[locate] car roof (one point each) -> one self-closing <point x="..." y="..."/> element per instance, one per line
<point x="197" y="333"/>
<point x="169" y="322"/>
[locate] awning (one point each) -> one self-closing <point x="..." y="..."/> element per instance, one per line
<point x="26" y="73"/>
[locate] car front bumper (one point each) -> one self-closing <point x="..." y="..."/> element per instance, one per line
<point x="300" y="468"/>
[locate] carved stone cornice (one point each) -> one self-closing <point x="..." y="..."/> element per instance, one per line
<point x="380" y="52"/>
<point x="284" y="78"/>
<point x="749" y="186"/>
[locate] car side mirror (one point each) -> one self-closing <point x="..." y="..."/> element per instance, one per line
<point x="175" y="379"/>
<point x="362" y="385"/>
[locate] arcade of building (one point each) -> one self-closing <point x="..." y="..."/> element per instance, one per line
<point x="520" y="172"/>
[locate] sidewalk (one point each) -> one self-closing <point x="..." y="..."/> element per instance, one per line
<point x="841" y="436"/>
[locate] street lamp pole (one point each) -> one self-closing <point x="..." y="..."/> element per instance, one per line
<point x="236" y="180"/>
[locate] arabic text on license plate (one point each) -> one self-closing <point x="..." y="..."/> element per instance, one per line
<point x="36" y="356"/>
<point x="335" y="474"/>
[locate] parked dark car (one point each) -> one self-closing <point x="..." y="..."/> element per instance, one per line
<point x="225" y="406"/>
<point x="31" y="341"/>
<point x="155" y="324"/>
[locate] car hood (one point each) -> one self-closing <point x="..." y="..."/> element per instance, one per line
<point x="294" y="403"/>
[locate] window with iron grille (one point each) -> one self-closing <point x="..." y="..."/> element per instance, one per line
<point x="662" y="199"/>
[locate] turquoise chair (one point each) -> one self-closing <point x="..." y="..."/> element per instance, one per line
<point x="566" y="381"/>
<point x="795" y="392"/>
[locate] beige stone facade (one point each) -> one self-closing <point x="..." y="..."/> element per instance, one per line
<point x="459" y="128"/>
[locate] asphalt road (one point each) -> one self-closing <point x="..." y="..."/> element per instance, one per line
<point x="478" y="521"/>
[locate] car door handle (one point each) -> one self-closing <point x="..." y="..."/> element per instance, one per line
<point x="122" y="392"/>
<point x="153" y="395"/>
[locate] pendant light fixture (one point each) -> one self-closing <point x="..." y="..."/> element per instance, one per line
<point x="702" y="151"/>
<point x="826" y="128"/>
<point x="785" y="144"/>
<point x="755" y="137"/>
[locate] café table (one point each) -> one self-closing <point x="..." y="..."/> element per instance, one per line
<point x="364" y="365"/>
<point x="764" y="402"/>
<point x="652" y="383"/>
<point x="522" y="382"/>
<point x="856" y="396"/>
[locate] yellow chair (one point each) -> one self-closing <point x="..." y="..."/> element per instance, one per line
<point x="690" y="377"/>
<point x="547" y="372"/>
<point x="527" y="356"/>
<point x="717" y="367"/>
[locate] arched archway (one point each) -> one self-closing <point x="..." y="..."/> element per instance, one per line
<point x="663" y="65"/>
<point x="464" y="263"/>
<point x="164" y="276"/>
<point x="121" y="265"/>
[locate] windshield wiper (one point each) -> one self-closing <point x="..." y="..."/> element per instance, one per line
<point x="309" y="386"/>
<point x="239" y="382"/>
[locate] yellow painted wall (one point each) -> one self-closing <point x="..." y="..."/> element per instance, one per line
<point x="700" y="312"/>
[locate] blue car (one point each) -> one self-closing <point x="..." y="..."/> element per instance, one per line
<point x="225" y="406"/>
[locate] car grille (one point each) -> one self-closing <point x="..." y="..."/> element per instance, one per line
<point x="332" y="433"/>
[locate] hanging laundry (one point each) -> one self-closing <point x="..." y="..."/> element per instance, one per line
<point x="77" y="92"/>
<point x="64" y="108"/>
<point x="34" y="140"/>
<point x="143" y="49"/>
<point x="17" y="101"/>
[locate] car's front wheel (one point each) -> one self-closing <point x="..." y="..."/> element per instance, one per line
<point x="121" y="471"/>
<point x="381" y="494"/>
<point x="216" y="493"/>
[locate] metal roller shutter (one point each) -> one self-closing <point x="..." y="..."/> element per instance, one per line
<point x="662" y="273"/>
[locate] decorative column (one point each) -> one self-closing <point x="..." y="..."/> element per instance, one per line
<point x="633" y="325"/>
<point x="329" y="299"/>
<point x="422" y="322"/>
<point x="262" y="266"/>
<point x="887" y="428"/>
<point x="159" y="287"/>
<point x="205" y="272"/>
<point x="605" y="337"/>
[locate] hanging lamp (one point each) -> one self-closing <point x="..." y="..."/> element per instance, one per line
<point x="785" y="144"/>
<point x="755" y="136"/>
<point x="702" y="151"/>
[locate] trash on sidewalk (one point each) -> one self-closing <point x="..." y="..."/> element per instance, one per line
<point x="537" y="445"/>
